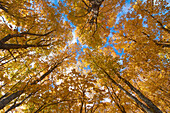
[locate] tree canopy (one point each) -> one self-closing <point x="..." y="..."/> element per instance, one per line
<point x="119" y="62"/>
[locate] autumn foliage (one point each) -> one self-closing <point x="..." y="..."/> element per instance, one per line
<point x="119" y="62"/>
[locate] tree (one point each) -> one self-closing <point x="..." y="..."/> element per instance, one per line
<point x="145" y="59"/>
<point x="105" y="66"/>
<point x="30" y="36"/>
<point x="124" y="67"/>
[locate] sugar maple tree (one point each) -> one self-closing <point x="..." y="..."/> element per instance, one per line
<point x="36" y="55"/>
<point x="32" y="37"/>
<point x="143" y="34"/>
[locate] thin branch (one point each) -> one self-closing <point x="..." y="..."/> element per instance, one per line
<point x="3" y="8"/>
<point x="82" y="15"/>
<point x="81" y="107"/>
<point x="157" y="43"/>
<point x="122" y="109"/>
<point x="162" y="26"/>
<point x="49" y="71"/>
<point x="85" y="3"/>
<point x="12" y="55"/>
<point x="12" y="59"/>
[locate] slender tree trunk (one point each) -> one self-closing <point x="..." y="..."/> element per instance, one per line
<point x="131" y="96"/>
<point x="145" y="99"/>
<point x="81" y="108"/>
<point x="8" y="99"/>
<point x="126" y="92"/>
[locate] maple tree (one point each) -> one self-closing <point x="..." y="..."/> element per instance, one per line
<point x="32" y="47"/>
<point x="42" y="71"/>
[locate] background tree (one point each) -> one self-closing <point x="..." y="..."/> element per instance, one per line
<point x="32" y="40"/>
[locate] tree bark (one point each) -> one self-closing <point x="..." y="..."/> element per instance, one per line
<point x="8" y="99"/>
<point x="145" y="99"/>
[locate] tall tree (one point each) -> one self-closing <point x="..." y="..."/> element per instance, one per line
<point x="142" y="34"/>
<point x="32" y="46"/>
<point x="120" y="62"/>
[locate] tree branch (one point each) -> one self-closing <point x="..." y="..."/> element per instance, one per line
<point x="85" y="3"/>
<point x="162" y="26"/>
<point x="9" y="36"/>
<point x="157" y="42"/>
<point x="19" y="46"/>
<point x="3" y="8"/>
<point x="49" y="71"/>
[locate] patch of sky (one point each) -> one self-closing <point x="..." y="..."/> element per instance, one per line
<point x="32" y="65"/>
<point x="87" y="68"/>
<point x="108" y="44"/>
<point x="54" y="1"/>
<point x="3" y="20"/>
<point x="144" y="23"/>
<point x="125" y="10"/>
<point x="106" y="100"/>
